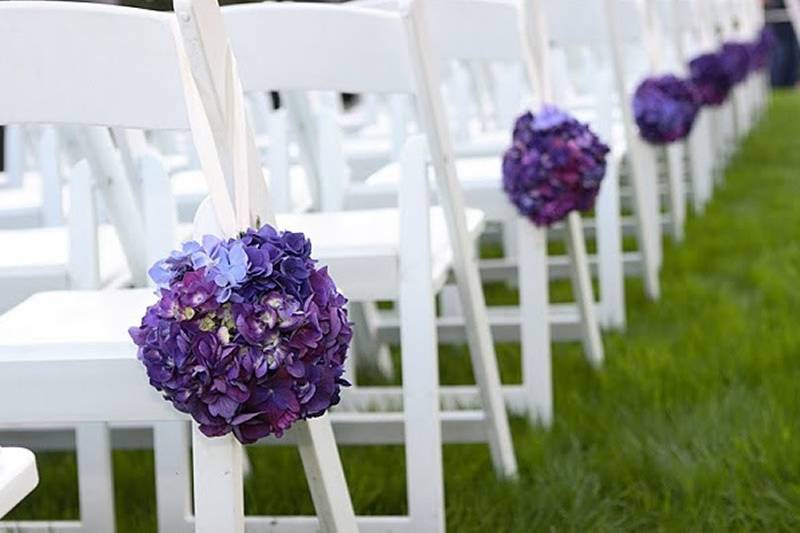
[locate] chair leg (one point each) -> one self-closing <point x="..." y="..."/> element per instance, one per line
<point x="14" y="154"/>
<point x="366" y="320"/>
<point x="419" y="349"/>
<point x="582" y="287"/>
<point x="95" y="478"/>
<point x="701" y="150"/>
<point x="484" y="360"/>
<point x="423" y="439"/>
<point x="510" y="248"/>
<point x="610" y="268"/>
<point x="677" y="188"/>
<point x="173" y="484"/>
<point x="218" y="484"/>
<point x="325" y="476"/>
<point x="643" y="169"/>
<point x="654" y="203"/>
<point x="449" y="302"/>
<point x="534" y="309"/>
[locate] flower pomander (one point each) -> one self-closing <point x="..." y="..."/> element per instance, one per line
<point x="736" y="59"/>
<point x="711" y="79"/>
<point x="761" y="49"/>
<point x="554" y="166"/>
<point x="248" y="335"/>
<point x="665" y="109"/>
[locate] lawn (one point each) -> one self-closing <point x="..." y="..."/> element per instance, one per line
<point x="693" y="424"/>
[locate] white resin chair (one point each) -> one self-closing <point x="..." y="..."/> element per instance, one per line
<point x="83" y="254"/>
<point x="385" y="53"/>
<point x="504" y="41"/>
<point x="624" y="29"/>
<point x="69" y="352"/>
<point x="18" y="477"/>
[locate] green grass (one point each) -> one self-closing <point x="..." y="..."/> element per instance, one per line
<point x="692" y="424"/>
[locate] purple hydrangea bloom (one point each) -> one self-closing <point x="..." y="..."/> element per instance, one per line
<point x="761" y="49"/>
<point x="665" y="108"/>
<point x="711" y="79"/>
<point x="735" y="58"/>
<point x="248" y="335"/>
<point x="554" y="166"/>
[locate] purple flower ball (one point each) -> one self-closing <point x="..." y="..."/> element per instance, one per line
<point x="665" y="109"/>
<point x="554" y="166"/>
<point x="761" y="49"/>
<point x="711" y="79"/>
<point x="736" y="60"/>
<point x="248" y="335"/>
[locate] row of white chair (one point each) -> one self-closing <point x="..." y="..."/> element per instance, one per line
<point x="59" y="345"/>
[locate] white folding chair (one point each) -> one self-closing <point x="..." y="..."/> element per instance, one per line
<point x="82" y="367"/>
<point x="625" y="32"/>
<point x="593" y="93"/>
<point x="84" y="254"/>
<point x="385" y="53"/>
<point x="452" y="37"/>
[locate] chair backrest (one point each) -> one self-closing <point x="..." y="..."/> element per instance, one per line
<point x="580" y="22"/>
<point x="319" y="47"/>
<point x="491" y="31"/>
<point x="589" y="33"/>
<point x="486" y="30"/>
<point x="476" y="29"/>
<point x="679" y="23"/>
<point x="67" y="63"/>
<point x="93" y="65"/>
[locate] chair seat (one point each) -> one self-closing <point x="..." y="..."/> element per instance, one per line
<point x="480" y="179"/>
<point x="189" y="189"/>
<point x="379" y="148"/>
<point x="65" y="318"/>
<point x="75" y="345"/>
<point x="37" y="259"/>
<point x="18" y="477"/>
<point x="356" y="244"/>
